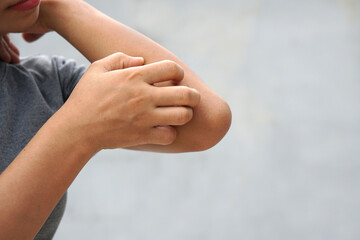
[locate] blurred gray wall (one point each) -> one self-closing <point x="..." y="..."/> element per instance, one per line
<point x="289" y="167"/>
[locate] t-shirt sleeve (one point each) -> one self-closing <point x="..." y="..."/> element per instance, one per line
<point x="69" y="74"/>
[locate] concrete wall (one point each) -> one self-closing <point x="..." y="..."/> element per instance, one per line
<point x="289" y="167"/>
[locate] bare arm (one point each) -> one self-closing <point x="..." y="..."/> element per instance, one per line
<point x="35" y="181"/>
<point x="97" y="35"/>
<point x="88" y="122"/>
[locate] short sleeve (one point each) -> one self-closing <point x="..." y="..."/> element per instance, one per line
<point x="69" y="74"/>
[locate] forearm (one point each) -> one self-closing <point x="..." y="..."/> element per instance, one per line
<point x="96" y="36"/>
<point x="38" y="177"/>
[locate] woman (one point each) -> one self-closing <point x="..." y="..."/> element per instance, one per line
<point x="54" y="116"/>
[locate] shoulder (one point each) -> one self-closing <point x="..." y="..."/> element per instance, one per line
<point x="45" y="67"/>
<point x="45" y="64"/>
<point x="39" y="65"/>
<point x="44" y="71"/>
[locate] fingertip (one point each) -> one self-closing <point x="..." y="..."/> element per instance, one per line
<point x="136" y="61"/>
<point x="141" y="59"/>
<point x="198" y="95"/>
<point x="175" y="68"/>
<point x="166" y="135"/>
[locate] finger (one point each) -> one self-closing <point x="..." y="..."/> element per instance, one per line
<point x="161" y="135"/>
<point x="161" y="71"/>
<point x="176" y="96"/>
<point x="10" y="50"/>
<point x="174" y="116"/>
<point x="118" y="61"/>
<point x="14" y="50"/>
<point x="4" y="51"/>
<point x="14" y="56"/>
<point x="31" y="37"/>
<point x="166" y="84"/>
<point x="11" y="45"/>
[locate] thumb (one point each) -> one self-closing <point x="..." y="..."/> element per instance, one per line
<point x="119" y="60"/>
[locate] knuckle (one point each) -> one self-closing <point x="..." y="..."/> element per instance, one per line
<point x="139" y="119"/>
<point x="140" y="101"/>
<point x="190" y="96"/>
<point x="172" y="67"/>
<point x="120" y="54"/>
<point x="96" y="63"/>
<point x="120" y="57"/>
<point x="135" y="73"/>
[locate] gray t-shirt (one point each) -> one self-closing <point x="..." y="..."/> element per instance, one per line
<point x="30" y="93"/>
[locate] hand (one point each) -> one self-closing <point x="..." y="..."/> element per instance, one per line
<point x="114" y="108"/>
<point x="8" y="51"/>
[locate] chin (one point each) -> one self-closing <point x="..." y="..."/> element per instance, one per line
<point x="20" y="22"/>
<point x="29" y="20"/>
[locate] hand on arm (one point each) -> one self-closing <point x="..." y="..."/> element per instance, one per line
<point x="96" y="36"/>
<point x="109" y="108"/>
<point x="132" y="111"/>
<point x="114" y="105"/>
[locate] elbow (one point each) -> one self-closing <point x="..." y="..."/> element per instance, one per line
<point x="215" y="127"/>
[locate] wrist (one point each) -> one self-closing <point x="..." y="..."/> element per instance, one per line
<point x="70" y="135"/>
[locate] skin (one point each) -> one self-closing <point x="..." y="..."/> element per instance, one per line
<point x="153" y="102"/>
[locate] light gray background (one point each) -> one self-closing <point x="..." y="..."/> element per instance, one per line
<point x="289" y="167"/>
